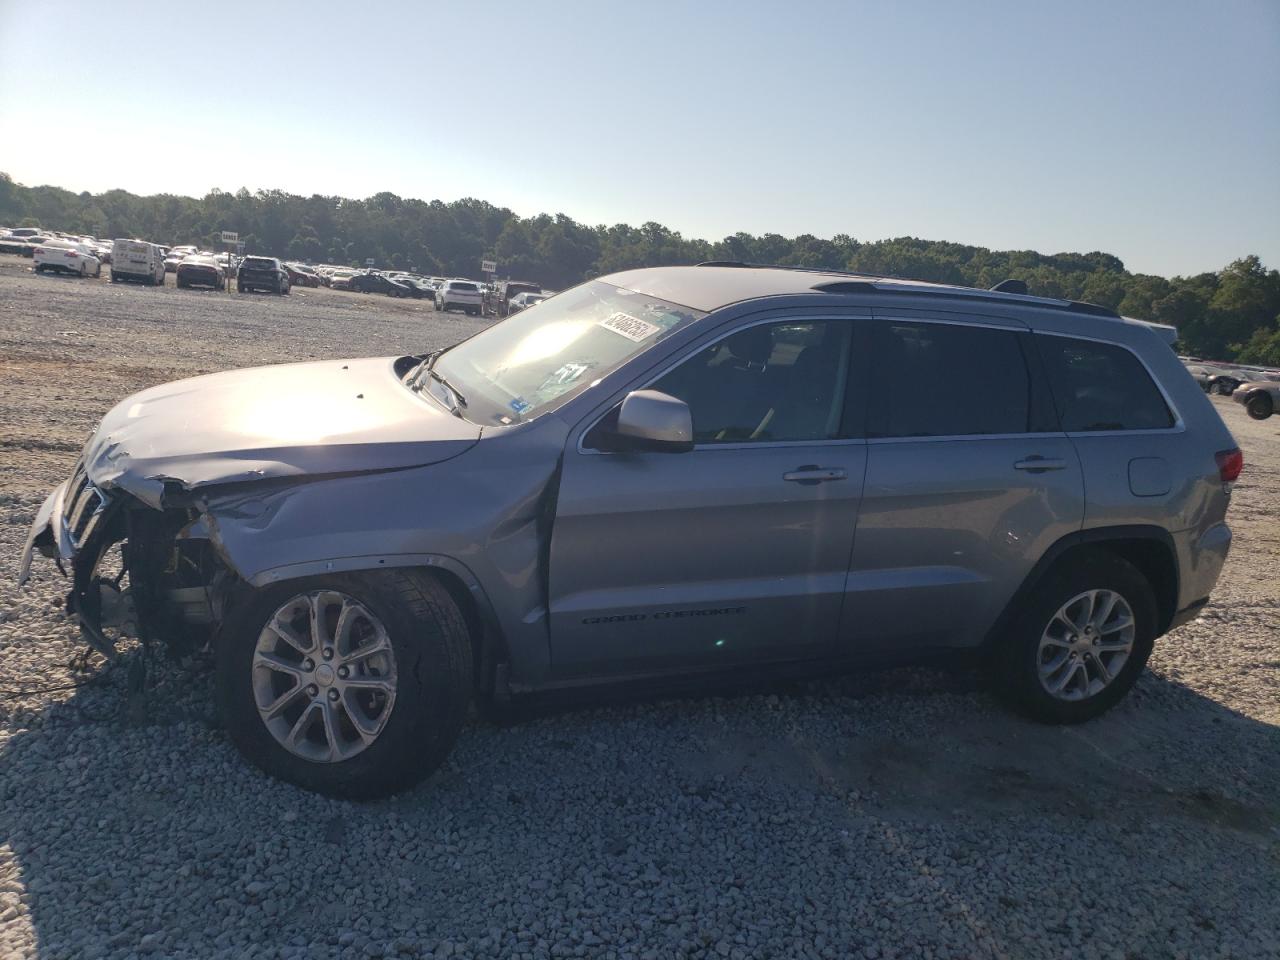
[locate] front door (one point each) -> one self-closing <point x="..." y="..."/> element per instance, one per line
<point x="969" y="480"/>
<point x="735" y="551"/>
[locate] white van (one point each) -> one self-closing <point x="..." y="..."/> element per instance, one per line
<point x="137" y="260"/>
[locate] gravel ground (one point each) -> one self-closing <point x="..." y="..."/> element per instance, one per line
<point x="902" y="814"/>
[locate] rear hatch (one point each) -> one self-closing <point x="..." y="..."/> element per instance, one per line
<point x="258" y="272"/>
<point x="129" y="253"/>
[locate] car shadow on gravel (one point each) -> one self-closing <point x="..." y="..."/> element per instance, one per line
<point x="140" y="829"/>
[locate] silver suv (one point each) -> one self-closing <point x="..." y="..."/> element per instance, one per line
<point x="662" y="472"/>
<point x="460" y="294"/>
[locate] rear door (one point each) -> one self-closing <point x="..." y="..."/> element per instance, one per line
<point x="735" y="551"/>
<point x="969" y="480"/>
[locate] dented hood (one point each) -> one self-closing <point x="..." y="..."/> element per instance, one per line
<point x="294" y="420"/>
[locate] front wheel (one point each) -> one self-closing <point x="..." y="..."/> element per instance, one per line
<point x="353" y="686"/>
<point x="1080" y="641"/>
<point x="1259" y="406"/>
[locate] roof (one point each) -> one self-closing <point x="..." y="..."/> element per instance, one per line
<point x="714" y="285"/>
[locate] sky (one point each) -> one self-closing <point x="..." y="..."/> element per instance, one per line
<point x="1149" y="129"/>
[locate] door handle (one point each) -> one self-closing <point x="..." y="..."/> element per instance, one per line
<point x="810" y="474"/>
<point x="1039" y="464"/>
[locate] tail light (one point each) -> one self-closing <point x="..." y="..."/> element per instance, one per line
<point x="37" y="250"/>
<point x="71" y="254"/>
<point x="1230" y="463"/>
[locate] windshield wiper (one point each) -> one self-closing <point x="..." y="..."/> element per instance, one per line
<point x="459" y="399"/>
<point x="413" y="376"/>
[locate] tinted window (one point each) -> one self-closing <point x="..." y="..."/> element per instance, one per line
<point x="1100" y="386"/>
<point x="941" y="380"/>
<point x="781" y="381"/>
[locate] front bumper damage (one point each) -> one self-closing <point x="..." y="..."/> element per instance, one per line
<point x="75" y="526"/>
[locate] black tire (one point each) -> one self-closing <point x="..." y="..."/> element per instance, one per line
<point x="114" y="279"/>
<point x="1259" y="406"/>
<point x="39" y="268"/>
<point x="1016" y="654"/>
<point x="434" y="681"/>
<point x="179" y="284"/>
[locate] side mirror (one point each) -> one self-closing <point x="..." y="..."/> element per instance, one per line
<point x="652" y="421"/>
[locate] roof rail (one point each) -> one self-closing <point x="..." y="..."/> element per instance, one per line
<point x="1011" y="286"/>
<point x="870" y="283"/>
<point x="787" y="266"/>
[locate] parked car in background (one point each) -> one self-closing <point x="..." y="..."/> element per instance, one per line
<point x="137" y="261"/>
<point x="460" y="294"/>
<point x="172" y="259"/>
<point x="301" y="275"/>
<point x="23" y="246"/>
<point x="341" y="279"/>
<point x="504" y="290"/>
<point x="262" y="273"/>
<point x="200" y="270"/>
<point x="419" y="288"/>
<point x="378" y="283"/>
<point x="522" y="300"/>
<point x="66" y="256"/>
<point x="1215" y="379"/>
<point x="1261" y="398"/>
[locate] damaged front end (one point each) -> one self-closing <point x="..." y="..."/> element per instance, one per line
<point x="135" y="571"/>
<point x="131" y="527"/>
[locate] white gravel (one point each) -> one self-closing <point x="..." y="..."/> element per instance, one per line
<point x="901" y="814"/>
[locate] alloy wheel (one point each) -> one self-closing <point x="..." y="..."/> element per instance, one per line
<point x="324" y="676"/>
<point x="1085" y="645"/>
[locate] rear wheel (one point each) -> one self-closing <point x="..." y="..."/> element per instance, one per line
<point x="1259" y="406"/>
<point x="1082" y="638"/>
<point x="353" y="686"/>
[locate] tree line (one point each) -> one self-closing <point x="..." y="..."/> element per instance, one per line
<point x="1233" y="313"/>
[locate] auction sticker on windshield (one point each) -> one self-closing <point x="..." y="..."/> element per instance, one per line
<point x="633" y="328"/>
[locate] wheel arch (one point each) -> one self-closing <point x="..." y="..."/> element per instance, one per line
<point x="1149" y="548"/>
<point x="488" y="643"/>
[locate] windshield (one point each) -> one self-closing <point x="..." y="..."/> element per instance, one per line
<point x="545" y="354"/>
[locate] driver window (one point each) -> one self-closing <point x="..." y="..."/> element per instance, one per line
<point x="771" y="382"/>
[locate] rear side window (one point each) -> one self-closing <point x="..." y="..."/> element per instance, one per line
<point x="1100" y="386"/>
<point x="946" y="380"/>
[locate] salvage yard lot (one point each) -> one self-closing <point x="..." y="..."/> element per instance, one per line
<point x="902" y="813"/>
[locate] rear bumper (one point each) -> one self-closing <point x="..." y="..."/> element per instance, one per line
<point x="127" y="271"/>
<point x="1201" y="557"/>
